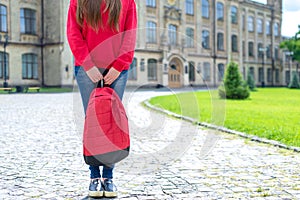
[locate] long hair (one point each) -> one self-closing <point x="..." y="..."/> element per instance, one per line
<point x="90" y="11"/>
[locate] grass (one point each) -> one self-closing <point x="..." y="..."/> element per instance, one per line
<point x="272" y="113"/>
<point x="44" y="90"/>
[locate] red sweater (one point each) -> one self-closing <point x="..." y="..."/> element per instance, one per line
<point x="106" y="48"/>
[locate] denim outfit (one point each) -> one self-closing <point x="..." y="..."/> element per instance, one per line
<point x="86" y="86"/>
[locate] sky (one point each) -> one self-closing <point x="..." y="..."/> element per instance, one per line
<point x="290" y="16"/>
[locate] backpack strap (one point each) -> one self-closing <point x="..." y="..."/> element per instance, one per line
<point x="100" y="84"/>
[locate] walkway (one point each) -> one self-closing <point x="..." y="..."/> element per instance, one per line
<point x="170" y="159"/>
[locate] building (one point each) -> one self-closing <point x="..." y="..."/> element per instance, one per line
<point x="190" y="42"/>
<point x="35" y="51"/>
<point x="179" y="42"/>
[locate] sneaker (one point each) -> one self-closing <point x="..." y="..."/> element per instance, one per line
<point x="95" y="188"/>
<point x="110" y="190"/>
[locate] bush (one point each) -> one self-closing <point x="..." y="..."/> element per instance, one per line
<point x="251" y="82"/>
<point x="295" y="82"/>
<point x="234" y="86"/>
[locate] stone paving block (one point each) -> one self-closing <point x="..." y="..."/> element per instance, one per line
<point x="50" y="162"/>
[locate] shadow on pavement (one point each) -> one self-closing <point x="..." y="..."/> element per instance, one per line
<point x="102" y="198"/>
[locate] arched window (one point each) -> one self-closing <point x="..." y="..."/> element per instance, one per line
<point x="189" y="7"/>
<point x="220" y="41"/>
<point x="234" y="15"/>
<point x="3" y="18"/>
<point x="151" y="32"/>
<point x="205" y="39"/>
<point x="29" y="66"/>
<point x="206" y="71"/>
<point x="221" y="71"/>
<point x="268" y="28"/>
<point x="191" y="71"/>
<point x="276" y="29"/>
<point x="259" y="26"/>
<point x="250" y="24"/>
<point x="132" y="73"/>
<point x="152" y="69"/>
<point x="205" y="8"/>
<point x="220" y="11"/>
<point x="234" y="43"/>
<point x="172" y="34"/>
<point x="260" y="50"/>
<point x="190" y="37"/>
<point x="250" y="49"/>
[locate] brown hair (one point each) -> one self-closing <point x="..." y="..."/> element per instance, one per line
<point x="90" y="11"/>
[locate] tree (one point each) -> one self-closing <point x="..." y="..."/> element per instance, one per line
<point x="234" y="86"/>
<point x="295" y="82"/>
<point x="292" y="45"/>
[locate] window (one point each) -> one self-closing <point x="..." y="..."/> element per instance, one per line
<point x="3" y="18"/>
<point x="250" y="24"/>
<point x="132" y="73"/>
<point x="259" y="26"/>
<point x="151" y="3"/>
<point x="244" y="48"/>
<point x="250" y="49"/>
<point x="260" y="50"/>
<point x="190" y="37"/>
<point x="29" y="66"/>
<point x="152" y="70"/>
<point x="276" y="53"/>
<point x="287" y="77"/>
<point x="206" y="71"/>
<point x="189" y="7"/>
<point x="269" y="75"/>
<point x="205" y="8"/>
<point x="220" y="11"/>
<point x="220" y="41"/>
<point x="243" y="22"/>
<point x="268" y="28"/>
<point x="151" y="32"/>
<point x="276" y="29"/>
<point x="234" y="15"/>
<point x="205" y="39"/>
<point x="4" y="62"/>
<point x="252" y="72"/>
<point x="28" y="21"/>
<point x="269" y="51"/>
<point x="234" y="43"/>
<point x="277" y="75"/>
<point x="221" y="71"/>
<point x="260" y="74"/>
<point x="172" y="34"/>
<point x="191" y="71"/>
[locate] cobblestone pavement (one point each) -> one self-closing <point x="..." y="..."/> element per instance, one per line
<point x="41" y="156"/>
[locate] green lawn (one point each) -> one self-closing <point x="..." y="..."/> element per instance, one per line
<point x="44" y="90"/>
<point x="269" y="113"/>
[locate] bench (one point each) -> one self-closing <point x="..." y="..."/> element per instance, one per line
<point x="32" y="88"/>
<point x="6" y="89"/>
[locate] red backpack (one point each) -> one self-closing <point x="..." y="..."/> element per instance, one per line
<point x="106" y="134"/>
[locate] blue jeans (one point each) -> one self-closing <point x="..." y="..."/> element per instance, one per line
<point x="86" y="86"/>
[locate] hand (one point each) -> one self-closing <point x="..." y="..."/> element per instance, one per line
<point x="94" y="74"/>
<point x="111" y="76"/>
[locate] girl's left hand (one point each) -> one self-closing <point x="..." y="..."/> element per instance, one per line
<point x="111" y="76"/>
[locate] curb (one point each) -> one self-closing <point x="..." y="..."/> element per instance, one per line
<point x="222" y="129"/>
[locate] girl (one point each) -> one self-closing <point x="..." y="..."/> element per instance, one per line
<point x="102" y="36"/>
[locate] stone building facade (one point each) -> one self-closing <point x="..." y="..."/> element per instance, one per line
<point x="179" y="42"/>
<point x="190" y="42"/>
<point x="35" y="51"/>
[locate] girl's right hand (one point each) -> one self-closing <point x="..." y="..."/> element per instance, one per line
<point x="94" y="74"/>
